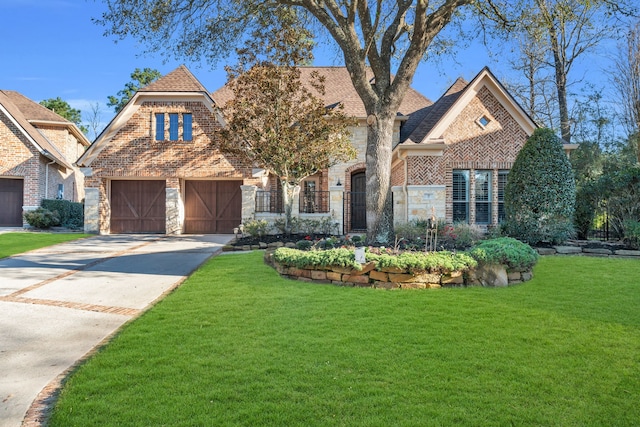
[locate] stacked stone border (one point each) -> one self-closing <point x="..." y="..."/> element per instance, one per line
<point x="582" y="248"/>
<point x="396" y="278"/>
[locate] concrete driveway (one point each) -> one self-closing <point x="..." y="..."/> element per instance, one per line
<point x="60" y="302"/>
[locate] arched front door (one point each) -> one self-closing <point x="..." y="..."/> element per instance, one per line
<point x="358" y="202"/>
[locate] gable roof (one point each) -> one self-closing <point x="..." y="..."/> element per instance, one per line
<point x="179" y="80"/>
<point x="26" y="115"/>
<point x="178" y="85"/>
<point x="447" y="108"/>
<point x="339" y="90"/>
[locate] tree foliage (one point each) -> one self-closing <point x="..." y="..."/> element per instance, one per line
<point x="139" y="79"/>
<point x="62" y="108"/>
<point x="540" y="192"/>
<point x="276" y="121"/>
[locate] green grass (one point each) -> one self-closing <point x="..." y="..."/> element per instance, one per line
<point x="15" y="243"/>
<point x="238" y="345"/>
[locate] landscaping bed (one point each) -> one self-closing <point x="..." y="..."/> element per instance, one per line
<point x="494" y="262"/>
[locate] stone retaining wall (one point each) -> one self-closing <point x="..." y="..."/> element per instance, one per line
<point x="584" y="249"/>
<point x="394" y="278"/>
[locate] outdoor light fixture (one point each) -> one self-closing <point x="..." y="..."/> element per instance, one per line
<point x="339" y="184"/>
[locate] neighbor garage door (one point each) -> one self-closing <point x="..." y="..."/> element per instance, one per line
<point x="212" y="206"/>
<point x="11" y="202"/>
<point x="138" y="206"/>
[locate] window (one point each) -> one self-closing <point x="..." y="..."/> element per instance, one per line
<point x="483" y="197"/>
<point x="460" y="196"/>
<point x="502" y="183"/>
<point x="160" y="127"/>
<point x="187" y="125"/>
<point x="483" y="121"/>
<point x="309" y="196"/>
<point x="173" y="127"/>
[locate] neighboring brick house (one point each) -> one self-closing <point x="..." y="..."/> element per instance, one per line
<point x="156" y="167"/>
<point x="37" y="151"/>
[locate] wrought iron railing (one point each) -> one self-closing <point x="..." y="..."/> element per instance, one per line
<point x="314" y="201"/>
<point x="269" y="201"/>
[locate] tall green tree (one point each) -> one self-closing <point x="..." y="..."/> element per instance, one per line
<point x="278" y="123"/>
<point x="381" y="42"/>
<point x="62" y="108"/>
<point x="139" y="79"/>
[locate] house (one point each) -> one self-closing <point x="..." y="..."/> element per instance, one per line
<point x="157" y="168"/>
<point x="37" y="151"/>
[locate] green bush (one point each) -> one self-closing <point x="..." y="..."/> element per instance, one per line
<point x="432" y="262"/>
<point x="304" y="245"/>
<point x="441" y="262"/>
<point x="506" y="251"/>
<point x="622" y="195"/>
<point x="540" y="192"/>
<point x="460" y="236"/>
<point x="71" y="213"/>
<point x="632" y="233"/>
<point x="340" y="257"/>
<point x="256" y="227"/>
<point x="42" y="218"/>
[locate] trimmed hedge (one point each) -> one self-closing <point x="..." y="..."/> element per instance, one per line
<point x="71" y="214"/>
<point x="539" y="197"/>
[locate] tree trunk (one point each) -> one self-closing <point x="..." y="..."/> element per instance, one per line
<point x="378" y="161"/>
<point x="560" y="66"/>
<point x="289" y="192"/>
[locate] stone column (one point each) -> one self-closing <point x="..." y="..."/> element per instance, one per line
<point x="399" y="203"/>
<point x="92" y="210"/>
<point x="248" y="201"/>
<point x="336" y="206"/>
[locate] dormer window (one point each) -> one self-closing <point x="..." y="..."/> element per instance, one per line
<point x="483" y="121"/>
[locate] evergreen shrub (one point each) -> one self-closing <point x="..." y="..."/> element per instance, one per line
<point x="540" y="192"/>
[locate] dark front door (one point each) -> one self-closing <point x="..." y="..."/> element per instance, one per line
<point x="212" y="206"/>
<point x="358" y="202"/>
<point x="11" y="192"/>
<point x="138" y="206"/>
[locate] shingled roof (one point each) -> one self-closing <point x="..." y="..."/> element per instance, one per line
<point x="179" y="80"/>
<point x="25" y="112"/>
<point x="339" y="90"/>
<point x="436" y="111"/>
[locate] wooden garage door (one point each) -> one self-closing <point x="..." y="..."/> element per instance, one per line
<point x="138" y="207"/>
<point x="212" y="206"/>
<point x="11" y="191"/>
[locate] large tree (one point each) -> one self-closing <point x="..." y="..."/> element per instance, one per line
<point x="139" y="78"/>
<point x="382" y="43"/>
<point x="275" y="121"/>
<point x="626" y="80"/>
<point x="62" y="108"/>
<point x="558" y="33"/>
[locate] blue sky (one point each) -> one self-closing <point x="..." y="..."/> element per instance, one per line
<point x="51" y="48"/>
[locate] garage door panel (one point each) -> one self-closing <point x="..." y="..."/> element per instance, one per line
<point x="212" y="206"/>
<point x="11" y="200"/>
<point x="138" y="206"/>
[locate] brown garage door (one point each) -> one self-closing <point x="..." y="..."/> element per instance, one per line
<point x="212" y="206"/>
<point x="138" y="207"/>
<point x="11" y="191"/>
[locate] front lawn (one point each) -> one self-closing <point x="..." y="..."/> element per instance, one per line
<point x="18" y="242"/>
<point x="238" y="345"/>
